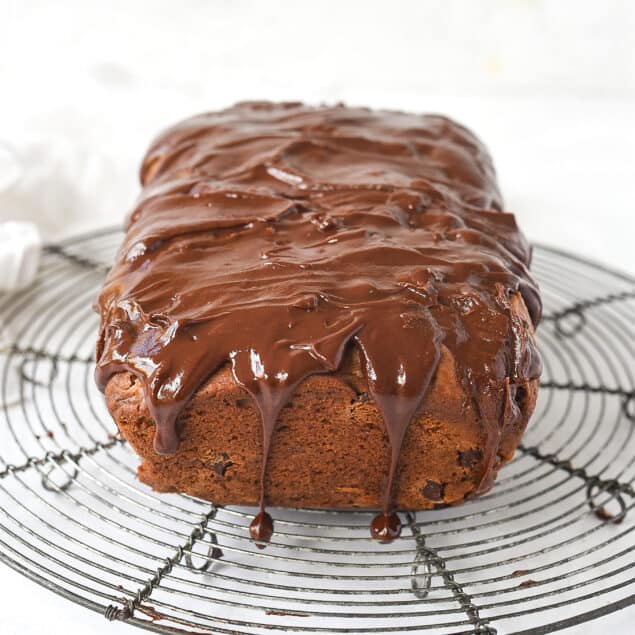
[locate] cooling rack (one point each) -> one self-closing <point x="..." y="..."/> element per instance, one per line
<point x="550" y="546"/>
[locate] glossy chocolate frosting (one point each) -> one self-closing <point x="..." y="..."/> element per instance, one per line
<point x="275" y="235"/>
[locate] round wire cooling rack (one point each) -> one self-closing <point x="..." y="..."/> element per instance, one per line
<point x="550" y="546"/>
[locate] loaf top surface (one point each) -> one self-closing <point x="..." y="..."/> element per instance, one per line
<point x="272" y="236"/>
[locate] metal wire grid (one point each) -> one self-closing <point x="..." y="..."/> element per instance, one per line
<point x="550" y="546"/>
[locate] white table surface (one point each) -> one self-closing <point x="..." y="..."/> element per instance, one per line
<point x="565" y="156"/>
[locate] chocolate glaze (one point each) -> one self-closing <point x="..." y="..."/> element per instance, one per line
<point x="274" y="235"/>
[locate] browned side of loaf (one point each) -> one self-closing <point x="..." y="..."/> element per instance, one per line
<point x="329" y="450"/>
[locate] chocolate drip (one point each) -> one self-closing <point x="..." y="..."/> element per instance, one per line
<point x="385" y="527"/>
<point x="261" y="529"/>
<point x="273" y="235"/>
<point x="398" y="383"/>
<point x="270" y="393"/>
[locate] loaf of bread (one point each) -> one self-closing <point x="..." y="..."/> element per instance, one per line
<point x="320" y="307"/>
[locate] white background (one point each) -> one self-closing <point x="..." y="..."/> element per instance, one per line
<point x="548" y="85"/>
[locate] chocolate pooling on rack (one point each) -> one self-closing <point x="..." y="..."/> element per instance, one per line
<point x="273" y="236"/>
